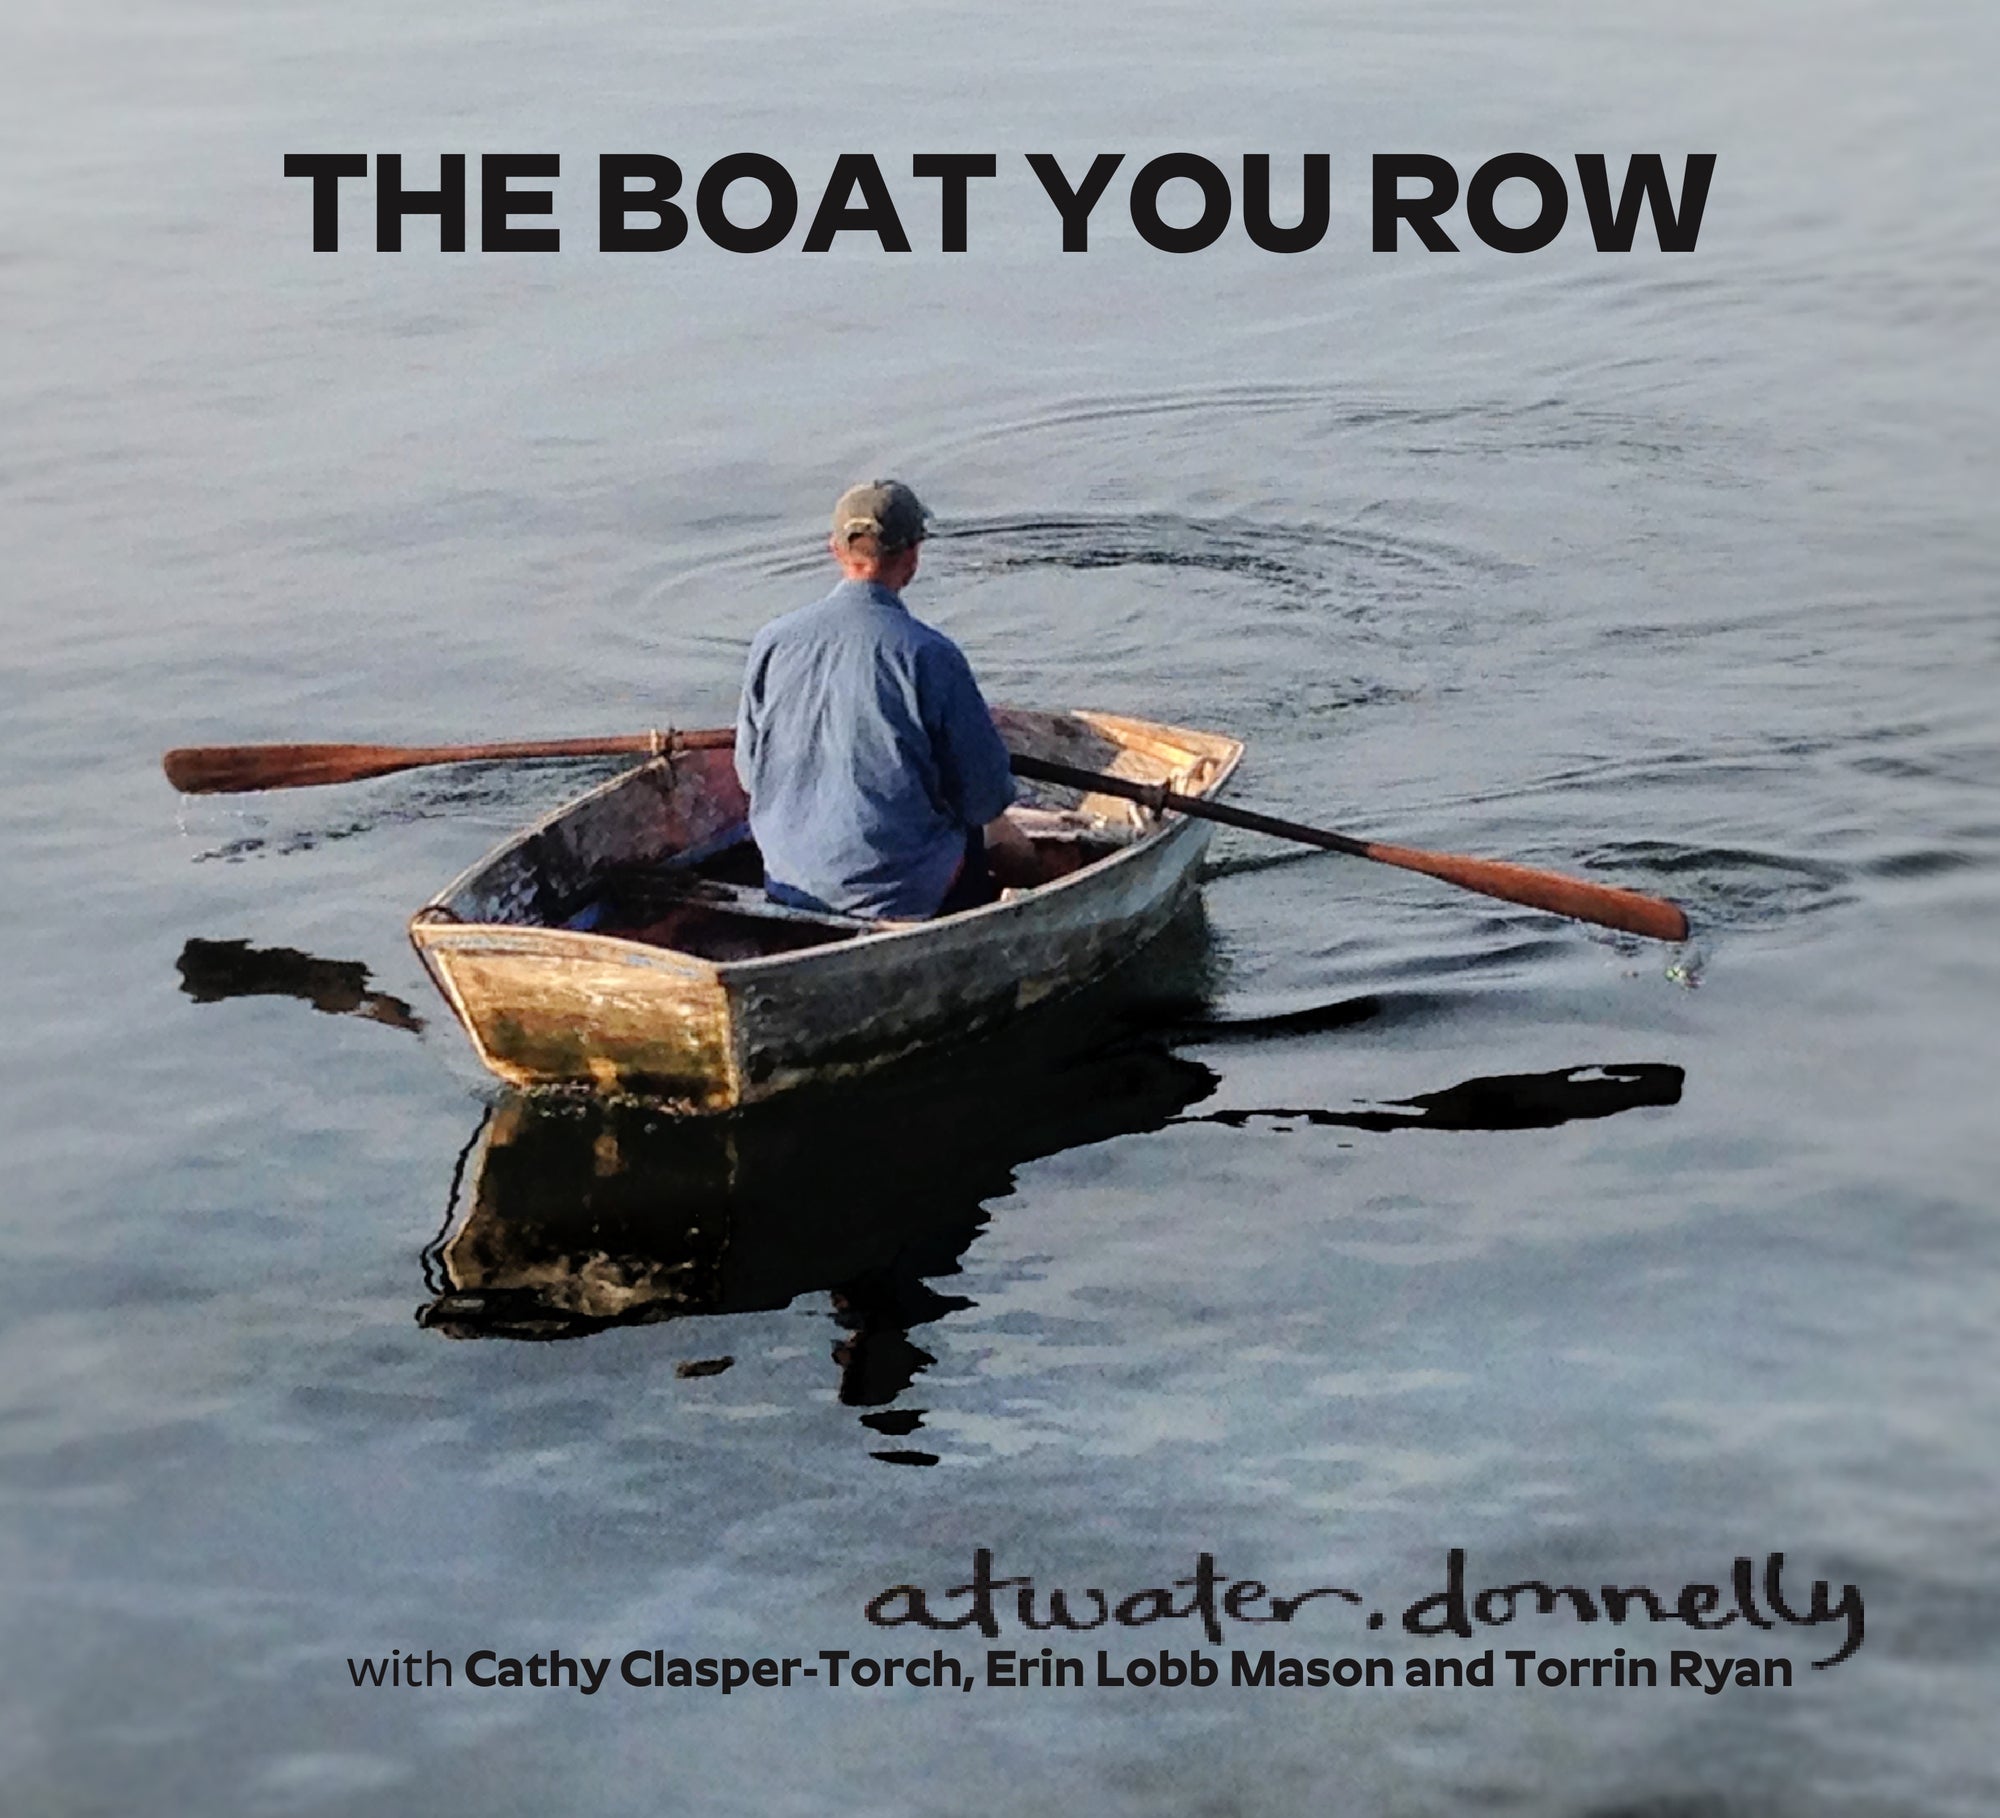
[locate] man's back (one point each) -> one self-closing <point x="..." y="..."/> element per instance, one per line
<point x="868" y="753"/>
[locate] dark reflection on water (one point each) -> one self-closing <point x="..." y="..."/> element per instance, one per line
<point x="569" y="1217"/>
<point x="214" y="970"/>
<point x="579" y="1216"/>
<point x="1315" y="1019"/>
<point x="1507" y="1101"/>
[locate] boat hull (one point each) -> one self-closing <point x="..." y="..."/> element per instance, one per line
<point x="553" y="1006"/>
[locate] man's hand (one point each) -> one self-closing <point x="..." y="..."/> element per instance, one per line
<point x="1010" y="854"/>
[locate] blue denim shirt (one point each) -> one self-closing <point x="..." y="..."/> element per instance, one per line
<point x="868" y="754"/>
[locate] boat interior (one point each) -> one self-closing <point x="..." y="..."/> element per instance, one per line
<point x="711" y="902"/>
<point x="664" y="855"/>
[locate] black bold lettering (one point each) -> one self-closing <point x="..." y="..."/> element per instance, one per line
<point x="497" y="202"/>
<point x="1485" y="185"/>
<point x="326" y="170"/>
<point x="1313" y="216"/>
<point x="1074" y="205"/>
<point x="393" y="202"/>
<point x="1420" y="211"/>
<point x="1154" y="176"/>
<point x="753" y="167"/>
<point x="1675" y="228"/>
<point x="617" y="200"/>
<point x="875" y="214"/>
<point x="953" y="169"/>
<point x="1243" y="1670"/>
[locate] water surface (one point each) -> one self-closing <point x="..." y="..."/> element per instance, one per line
<point x="1389" y="1220"/>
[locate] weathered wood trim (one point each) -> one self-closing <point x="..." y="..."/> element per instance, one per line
<point x="551" y="1007"/>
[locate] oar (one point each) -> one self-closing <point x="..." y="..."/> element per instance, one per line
<point x="211" y="769"/>
<point x="1652" y="916"/>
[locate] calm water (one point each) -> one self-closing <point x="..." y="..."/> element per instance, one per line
<point x="1374" y="1219"/>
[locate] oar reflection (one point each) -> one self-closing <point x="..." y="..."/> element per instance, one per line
<point x="1506" y="1101"/>
<point x="214" y="970"/>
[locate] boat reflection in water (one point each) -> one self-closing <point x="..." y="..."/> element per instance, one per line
<point x="575" y="1216"/>
<point x="580" y="1216"/>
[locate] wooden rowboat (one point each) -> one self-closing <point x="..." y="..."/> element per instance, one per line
<point x="624" y="943"/>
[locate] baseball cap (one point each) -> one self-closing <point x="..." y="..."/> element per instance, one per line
<point x="884" y="509"/>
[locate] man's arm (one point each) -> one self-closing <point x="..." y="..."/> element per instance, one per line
<point x="973" y="768"/>
<point x="747" y="714"/>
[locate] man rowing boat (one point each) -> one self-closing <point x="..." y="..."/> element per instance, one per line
<point x="877" y="783"/>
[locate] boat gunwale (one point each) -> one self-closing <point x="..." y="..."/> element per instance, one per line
<point x="647" y="954"/>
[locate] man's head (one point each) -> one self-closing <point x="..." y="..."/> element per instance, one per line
<point x="877" y="528"/>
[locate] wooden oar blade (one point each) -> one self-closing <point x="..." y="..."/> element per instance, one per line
<point x="216" y="769"/>
<point x="1612" y="907"/>
<point x="1607" y="904"/>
